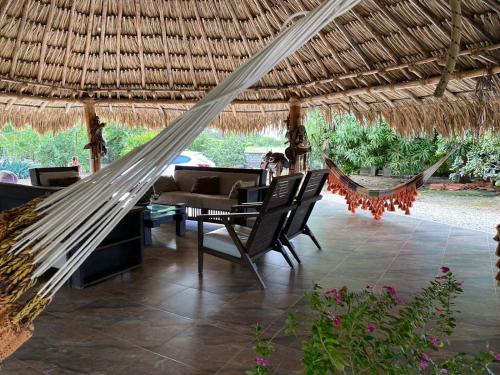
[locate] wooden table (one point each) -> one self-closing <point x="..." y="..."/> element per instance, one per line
<point x="157" y="214"/>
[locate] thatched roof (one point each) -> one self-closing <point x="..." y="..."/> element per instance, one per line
<point x="145" y="61"/>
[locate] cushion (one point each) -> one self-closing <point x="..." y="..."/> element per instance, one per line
<point x="186" y="178"/>
<point x="165" y="183"/>
<point x="46" y="176"/>
<point x="220" y="240"/>
<point x="235" y="193"/>
<point x="173" y="197"/>
<point x="63" y="181"/>
<point x="216" y="202"/>
<point x="206" y="185"/>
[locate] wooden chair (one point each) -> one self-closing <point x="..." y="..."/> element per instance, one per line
<point x="243" y="245"/>
<point x="309" y="194"/>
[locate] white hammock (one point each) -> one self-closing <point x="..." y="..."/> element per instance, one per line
<point x="81" y="216"/>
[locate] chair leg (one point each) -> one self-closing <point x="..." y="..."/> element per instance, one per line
<point x="282" y="250"/>
<point x="290" y="246"/>
<point x="254" y="270"/>
<point x="308" y="231"/>
<point x="200" y="261"/>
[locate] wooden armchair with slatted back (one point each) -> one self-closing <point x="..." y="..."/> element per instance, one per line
<point x="244" y="245"/>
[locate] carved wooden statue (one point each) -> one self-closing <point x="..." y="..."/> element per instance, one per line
<point x="298" y="148"/>
<point x="97" y="144"/>
<point x="274" y="162"/>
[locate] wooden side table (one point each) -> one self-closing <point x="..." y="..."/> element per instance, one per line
<point x="157" y="214"/>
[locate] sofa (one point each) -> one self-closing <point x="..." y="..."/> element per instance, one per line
<point x="186" y="176"/>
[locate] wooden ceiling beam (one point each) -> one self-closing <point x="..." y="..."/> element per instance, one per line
<point x="69" y="39"/>
<point x="138" y="27"/>
<point x="287" y="60"/>
<point x="127" y="101"/>
<point x="4" y="6"/>
<point x="119" y="42"/>
<point x="407" y="85"/>
<point x="187" y="48"/>
<point x="45" y="38"/>
<point x="166" y="55"/>
<point x="403" y="29"/>
<point x="493" y="4"/>
<point x="206" y="43"/>
<point x="88" y="40"/>
<point x="347" y="36"/>
<point x="19" y="39"/>
<point x="104" y="16"/>
<point x="270" y="30"/>
<point x="380" y="40"/>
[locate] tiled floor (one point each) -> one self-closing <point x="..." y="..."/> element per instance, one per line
<point x="162" y="319"/>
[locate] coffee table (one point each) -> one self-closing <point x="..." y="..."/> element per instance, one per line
<point x="157" y="214"/>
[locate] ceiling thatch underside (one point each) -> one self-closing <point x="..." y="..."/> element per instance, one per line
<point x="146" y="61"/>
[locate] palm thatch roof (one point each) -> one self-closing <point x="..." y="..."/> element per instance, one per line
<point x="146" y="61"/>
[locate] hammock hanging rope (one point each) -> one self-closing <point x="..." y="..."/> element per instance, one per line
<point x="377" y="201"/>
<point x="37" y="235"/>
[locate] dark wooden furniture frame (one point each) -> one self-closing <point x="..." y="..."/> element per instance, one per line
<point x="35" y="173"/>
<point x="309" y="194"/>
<point x="179" y="217"/>
<point x="265" y="233"/>
<point x="120" y="251"/>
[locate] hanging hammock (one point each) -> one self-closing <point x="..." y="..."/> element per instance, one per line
<point x="36" y="236"/>
<point x="375" y="200"/>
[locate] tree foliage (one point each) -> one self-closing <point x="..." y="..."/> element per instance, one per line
<point x="353" y="146"/>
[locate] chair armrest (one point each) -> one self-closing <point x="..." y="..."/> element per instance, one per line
<point x="245" y="206"/>
<point x="227" y="216"/>
<point x="251" y="194"/>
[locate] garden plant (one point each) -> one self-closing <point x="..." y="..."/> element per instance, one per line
<point x="375" y="332"/>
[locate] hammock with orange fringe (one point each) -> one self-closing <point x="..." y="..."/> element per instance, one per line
<point x="379" y="201"/>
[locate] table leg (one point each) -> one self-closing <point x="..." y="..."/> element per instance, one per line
<point x="148" y="237"/>
<point x="180" y="220"/>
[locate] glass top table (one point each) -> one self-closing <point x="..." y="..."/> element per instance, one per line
<point x="156" y="214"/>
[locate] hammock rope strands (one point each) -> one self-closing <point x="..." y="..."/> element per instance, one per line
<point x="375" y="200"/>
<point x="80" y="216"/>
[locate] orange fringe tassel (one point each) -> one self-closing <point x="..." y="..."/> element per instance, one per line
<point x="403" y="198"/>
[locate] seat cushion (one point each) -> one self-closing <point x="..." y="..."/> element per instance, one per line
<point x="217" y="202"/>
<point x="220" y="240"/>
<point x="165" y="184"/>
<point x="210" y="202"/>
<point x="173" y="197"/>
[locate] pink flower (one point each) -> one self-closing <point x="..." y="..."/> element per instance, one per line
<point x="390" y="290"/>
<point x="459" y="284"/>
<point x="424" y="357"/>
<point x="434" y="341"/>
<point x="370" y="327"/>
<point x="422" y="365"/>
<point x="495" y="354"/>
<point x="445" y="269"/>
<point x="334" y="294"/>
<point x="439" y="312"/>
<point x="262" y="361"/>
<point x="336" y="320"/>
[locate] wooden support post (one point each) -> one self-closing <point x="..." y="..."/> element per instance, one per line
<point x="294" y="121"/>
<point x="95" y="158"/>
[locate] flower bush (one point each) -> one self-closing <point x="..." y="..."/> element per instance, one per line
<point x="370" y="332"/>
